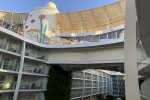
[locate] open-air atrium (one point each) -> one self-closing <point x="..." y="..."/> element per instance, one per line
<point x="80" y="55"/>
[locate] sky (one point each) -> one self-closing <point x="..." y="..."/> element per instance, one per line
<point x="62" y="5"/>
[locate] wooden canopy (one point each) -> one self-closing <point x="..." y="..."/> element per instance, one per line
<point x="93" y="19"/>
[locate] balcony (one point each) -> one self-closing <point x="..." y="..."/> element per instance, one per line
<point x="35" y="54"/>
<point x="76" y="93"/>
<point x="94" y="91"/>
<point x="73" y="38"/>
<point x="78" y="75"/>
<point x="30" y="86"/>
<point x="88" y="84"/>
<point x="77" y="84"/>
<point x="10" y="66"/>
<point x="16" y="27"/>
<point x="33" y="69"/>
<point x="87" y="92"/>
<point x="8" y="45"/>
<point x="7" y="85"/>
<point x="30" y="96"/>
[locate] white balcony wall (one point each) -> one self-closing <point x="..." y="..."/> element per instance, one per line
<point x="108" y="55"/>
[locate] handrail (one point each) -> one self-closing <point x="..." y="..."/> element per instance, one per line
<point x="18" y="30"/>
<point x="35" y="54"/>
<point x="7" y="65"/>
<point x="77" y="40"/>
<point x="145" y="97"/>
<point x="33" y="69"/>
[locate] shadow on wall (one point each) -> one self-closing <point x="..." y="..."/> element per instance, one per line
<point x="59" y="84"/>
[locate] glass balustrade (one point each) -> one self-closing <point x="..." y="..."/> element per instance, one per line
<point x="12" y="47"/>
<point x="77" y="83"/>
<point x="16" y="27"/>
<point x="7" y="85"/>
<point x="33" y="69"/>
<point x="35" y="54"/>
<point x="10" y="66"/>
<point x="30" y="85"/>
<point x="76" y="93"/>
<point x="59" y="40"/>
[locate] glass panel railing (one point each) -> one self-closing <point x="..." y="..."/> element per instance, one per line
<point x="7" y="85"/>
<point x="77" y="75"/>
<point x="10" y="46"/>
<point x="11" y="66"/>
<point x="68" y="40"/>
<point x="14" y="48"/>
<point x="35" y="54"/>
<point x="30" y="85"/>
<point x="33" y="69"/>
<point x="87" y="92"/>
<point x="16" y="27"/>
<point x="76" y="93"/>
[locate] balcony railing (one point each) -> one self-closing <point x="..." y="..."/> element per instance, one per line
<point x="10" y="47"/>
<point x="7" y="85"/>
<point x="144" y="97"/>
<point x="30" y="85"/>
<point x="33" y="69"/>
<point x="78" y="40"/>
<point x="35" y="54"/>
<point x="76" y="93"/>
<point x="77" y="75"/>
<point x="87" y="92"/>
<point x="15" y="27"/>
<point x="11" y="66"/>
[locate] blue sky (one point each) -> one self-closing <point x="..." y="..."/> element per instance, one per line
<point x="62" y="5"/>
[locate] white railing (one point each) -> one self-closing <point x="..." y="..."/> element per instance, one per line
<point x="78" y="40"/>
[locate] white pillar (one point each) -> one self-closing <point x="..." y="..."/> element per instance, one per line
<point x="130" y="53"/>
<point x="20" y="72"/>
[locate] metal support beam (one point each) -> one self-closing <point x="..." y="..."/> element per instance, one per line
<point x="130" y="53"/>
